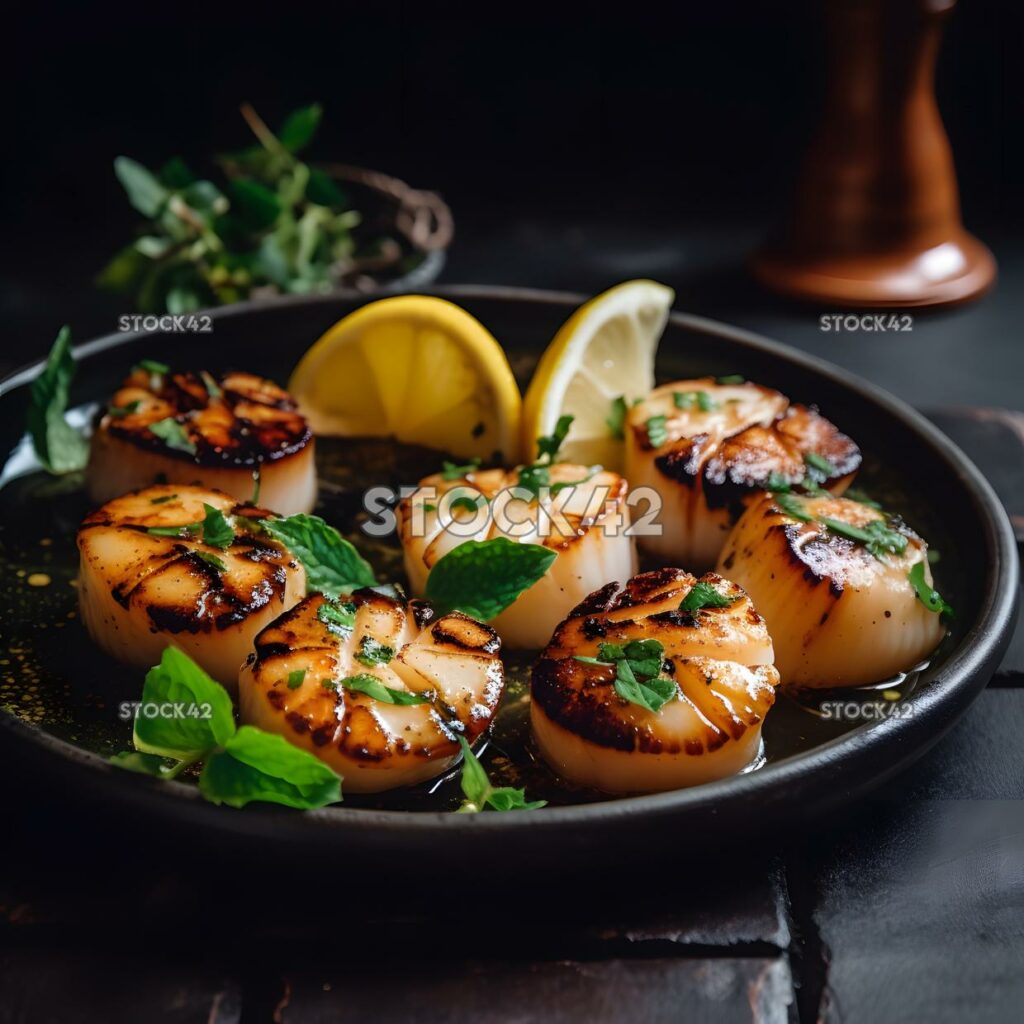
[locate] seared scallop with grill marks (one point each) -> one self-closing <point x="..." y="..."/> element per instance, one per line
<point x="181" y="565"/>
<point x="218" y="431"/>
<point x="376" y="688"/>
<point x="834" y="581"/>
<point x="708" y="448"/>
<point x="657" y="684"/>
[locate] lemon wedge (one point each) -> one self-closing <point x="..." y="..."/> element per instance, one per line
<point x="603" y="353"/>
<point x="416" y="368"/>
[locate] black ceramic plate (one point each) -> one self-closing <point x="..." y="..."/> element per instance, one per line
<point x="811" y="764"/>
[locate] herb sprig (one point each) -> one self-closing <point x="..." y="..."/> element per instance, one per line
<point x="480" y="794"/>
<point x="638" y="666"/>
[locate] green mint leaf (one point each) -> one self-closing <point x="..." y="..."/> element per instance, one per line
<point x="299" y="127"/>
<point x="324" y="191"/>
<point x="703" y="595"/>
<point x="183" y="713"/>
<point x="152" y="366"/>
<point x="657" y="432"/>
<point x="333" y="565"/>
<point x="176" y="174"/>
<point x="58" y="446"/>
<point x="638" y="666"/>
<point x="373" y="687"/>
<point x="470" y="504"/>
<point x="118" y="412"/>
<point x="172" y="433"/>
<point x="259" y="766"/>
<point x="183" y="531"/>
<point x="651" y="694"/>
<point x="616" y="420"/>
<point x="296" y="678"/>
<point x="340" y="619"/>
<point x="452" y="471"/>
<point x="144" y="764"/>
<point x="611" y="652"/>
<point x="216" y="529"/>
<point x="479" y="793"/>
<point x="731" y="378"/>
<point x="142" y="187"/>
<point x="373" y="652"/>
<point x="549" y="444"/>
<point x="212" y="387"/>
<point x="534" y="478"/>
<point x="589" y="660"/>
<point x="645" y="657"/>
<point x="928" y="595"/>
<point x="482" y="578"/>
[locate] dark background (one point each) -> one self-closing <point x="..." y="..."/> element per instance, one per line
<point x="648" y="120"/>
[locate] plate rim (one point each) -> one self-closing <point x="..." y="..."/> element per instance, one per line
<point x="935" y="708"/>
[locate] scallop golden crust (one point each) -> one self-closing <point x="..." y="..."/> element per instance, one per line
<point x="293" y="685"/>
<point x="719" y="657"/>
<point x="838" y="615"/>
<point x="717" y="446"/>
<point x="588" y="518"/>
<point x="215" y="431"/>
<point x="140" y="591"/>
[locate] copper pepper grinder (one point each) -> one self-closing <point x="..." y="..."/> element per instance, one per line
<point x="876" y="218"/>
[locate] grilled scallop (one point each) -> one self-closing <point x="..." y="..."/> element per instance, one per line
<point x="707" y="448"/>
<point x="839" y="615"/>
<point x="200" y="429"/>
<point x="294" y="685"/>
<point x="140" y="591"/>
<point x="720" y="659"/>
<point x="585" y="524"/>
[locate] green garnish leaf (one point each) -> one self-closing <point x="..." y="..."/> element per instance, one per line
<point x="548" y="445"/>
<point x="480" y="794"/>
<point x="144" y="764"/>
<point x="118" y="412"/>
<point x="704" y="595"/>
<point x="688" y="399"/>
<point x="172" y="433"/>
<point x="616" y="420"/>
<point x="534" y="478"/>
<point x="152" y="366"/>
<point x="876" y="535"/>
<point x="777" y="483"/>
<point x="256" y="765"/>
<point x="339" y="619"/>
<point x="452" y="471"/>
<point x="793" y="507"/>
<point x="373" y="652"/>
<point x="856" y="494"/>
<point x="333" y="565"/>
<point x="183" y="531"/>
<point x="58" y="446"/>
<point x="468" y="503"/>
<point x="731" y="378"/>
<point x="657" y="432"/>
<point x="482" y="578"/>
<point x="926" y="594"/>
<point x="296" y="678"/>
<point x="257" y="481"/>
<point x="213" y="389"/>
<point x="819" y="464"/>
<point x="183" y="713"/>
<point x="638" y="666"/>
<point x="211" y="559"/>
<point x="143" y="187"/>
<point x="217" y="530"/>
<point x="373" y="687"/>
<point x="299" y="127"/>
<point x="163" y="499"/>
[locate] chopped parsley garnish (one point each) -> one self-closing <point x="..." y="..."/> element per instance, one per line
<point x="186" y="530"/>
<point x="217" y="530"/>
<point x="657" y="432"/>
<point x="212" y="387"/>
<point x="296" y="678"/>
<point x="731" y="378"/>
<point x="928" y="595"/>
<point x="172" y="433"/>
<point x="777" y="483"/>
<point x="451" y="471"/>
<point x="429" y="507"/>
<point x="537" y="475"/>
<point x="373" y="687"/>
<point x="480" y="794"/>
<point x="793" y="507"/>
<point x="703" y="595"/>
<point x="152" y="366"/>
<point x="548" y="445"/>
<point x="688" y="399"/>
<point x="819" y="464"/>
<point x="468" y="503"/>
<point x="638" y="666"/>
<point x="616" y="420"/>
<point x="340" y="619"/>
<point x="878" y="537"/>
<point x="118" y="412"/>
<point x="856" y="494"/>
<point x="373" y="652"/>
